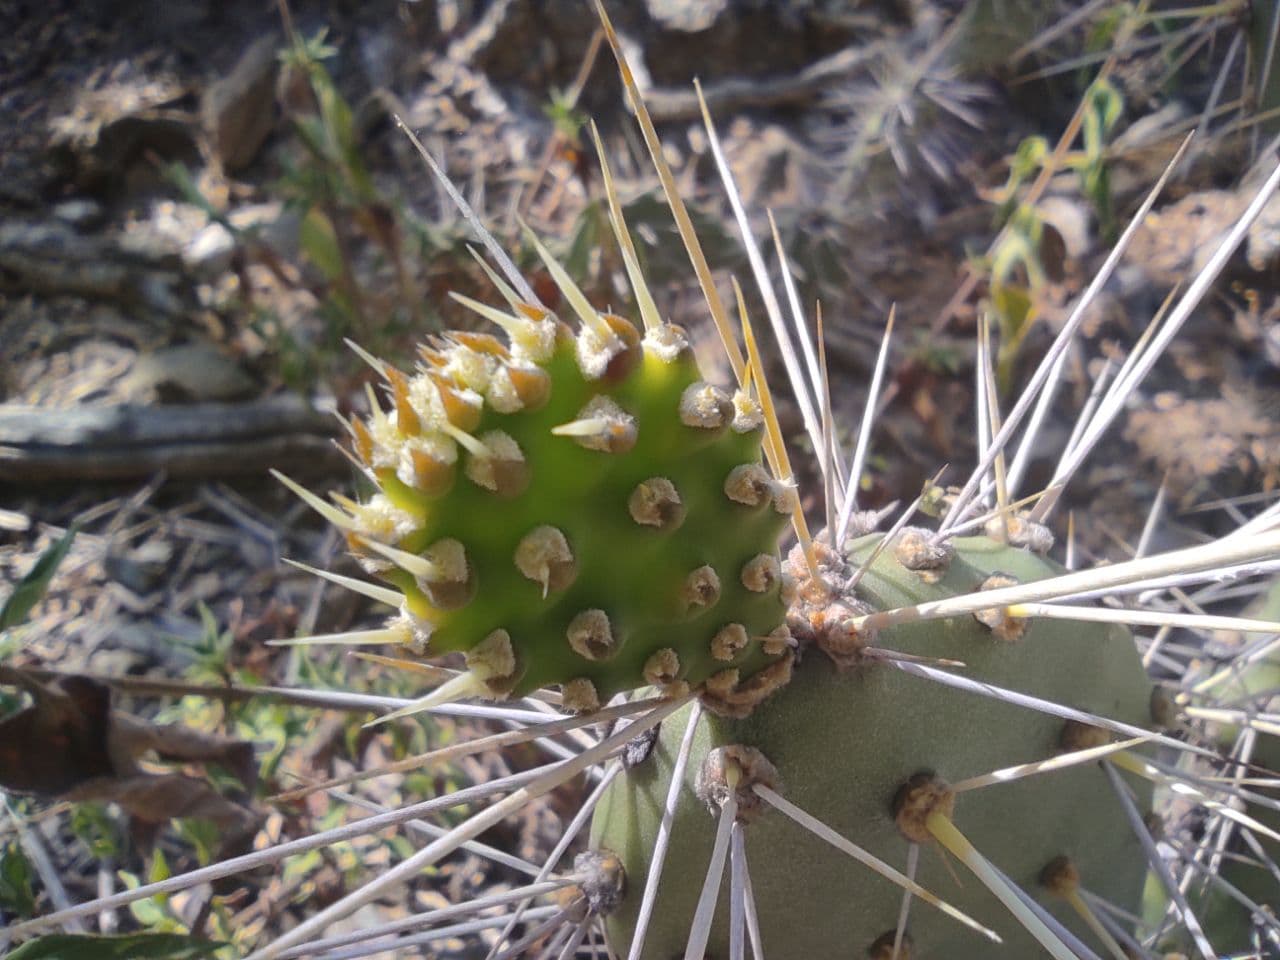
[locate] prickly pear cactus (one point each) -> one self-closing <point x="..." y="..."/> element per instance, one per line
<point x="844" y="745"/>
<point x="583" y="512"/>
<point x="861" y="751"/>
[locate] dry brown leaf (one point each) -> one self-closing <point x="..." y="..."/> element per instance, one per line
<point x="70" y="745"/>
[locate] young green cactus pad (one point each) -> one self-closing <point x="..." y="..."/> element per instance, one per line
<point x="583" y="512"/>
<point x="842" y="744"/>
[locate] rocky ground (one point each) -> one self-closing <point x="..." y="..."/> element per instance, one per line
<point x="190" y="225"/>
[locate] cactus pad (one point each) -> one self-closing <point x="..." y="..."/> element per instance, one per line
<point x="582" y="511"/>
<point x="845" y="743"/>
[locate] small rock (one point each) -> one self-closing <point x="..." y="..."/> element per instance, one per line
<point x="161" y="292"/>
<point x="1271" y="345"/>
<point x="688" y="16"/>
<point x="1263" y="243"/>
<point x="1178" y="239"/>
<point x="187" y="373"/>
<point x="114" y="132"/>
<point x="162" y="235"/>
<point x="1070" y="217"/>
<point x="271" y="223"/>
<point x="83" y="214"/>
<point x="209" y="253"/>
<point x="238" y="111"/>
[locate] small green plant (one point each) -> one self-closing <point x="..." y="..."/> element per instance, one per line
<point x="334" y="191"/>
<point x="17" y="881"/>
<point x="68" y="743"/>
<point x="567" y="119"/>
<point x="350" y="232"/>
<point x="1101" y="110"/>
<point x="1016" y="267"/>
<point x="32" y="587"/>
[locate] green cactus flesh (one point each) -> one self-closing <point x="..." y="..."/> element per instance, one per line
<point x="843" y="742"/>
<point x="576" y="512"/>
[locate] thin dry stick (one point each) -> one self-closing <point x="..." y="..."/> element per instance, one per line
<point x="433" y="916"/>
<point x="471" y="828"/>
<point x="45" y="870"/>
<point x="495" y="741"/>
<point x="281" y="851"/>
<point x="1057" y="29"/>
<point x="557" y="140"/>
<point x="1052" y="165"/>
